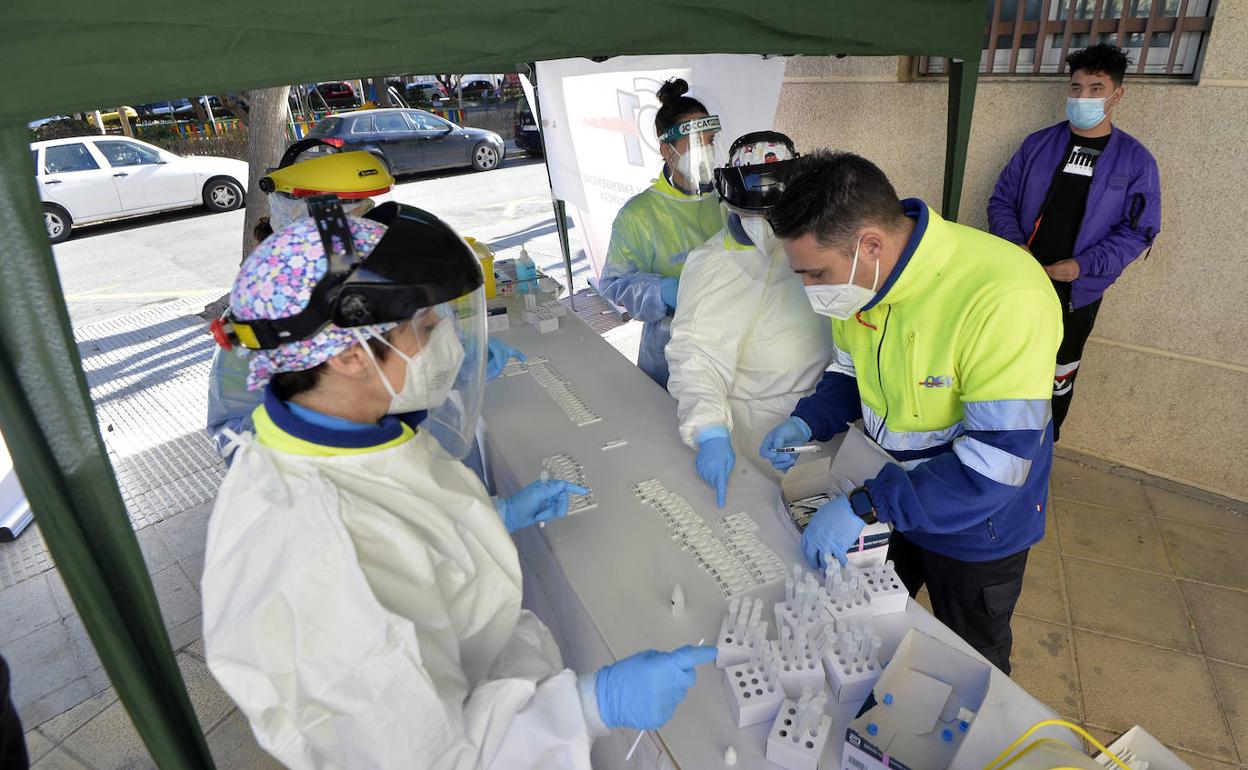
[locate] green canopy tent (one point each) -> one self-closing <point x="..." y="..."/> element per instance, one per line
<point x="74" y="55"/>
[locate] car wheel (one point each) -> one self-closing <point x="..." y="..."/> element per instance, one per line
<point x="223" y="194"/>
<point x="484" y="157"/>
<point x="57" y="220"/>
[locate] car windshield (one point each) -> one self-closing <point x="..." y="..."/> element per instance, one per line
<point x="327" y="127"/>
<point x="121" y="153"/>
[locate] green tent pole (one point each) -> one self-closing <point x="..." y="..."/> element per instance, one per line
<point x="51" y="431"/>
<point x="962" y="81"/>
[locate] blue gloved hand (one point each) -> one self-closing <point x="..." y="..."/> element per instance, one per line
<point x="539" y="501"/>
<point x="792" y="432"/>
<point x="667" y="289"/>
<point x="498" y="353"/>
<point x="833" y="529"/>
<point x="715" y="460"/>
<point x="643" y="691"/>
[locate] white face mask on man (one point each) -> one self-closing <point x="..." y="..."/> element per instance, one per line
<point x="430" y="374"/>
<point x="842" y="300"/>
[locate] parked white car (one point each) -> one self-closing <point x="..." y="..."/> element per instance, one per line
<point x="87" y="179"/>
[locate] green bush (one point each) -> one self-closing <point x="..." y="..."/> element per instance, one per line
<point x="62" y="129"/>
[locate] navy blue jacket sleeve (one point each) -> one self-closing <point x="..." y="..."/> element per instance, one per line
<point x="832" y="407"/>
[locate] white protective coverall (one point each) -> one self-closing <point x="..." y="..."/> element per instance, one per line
<point x="363" y="610"/>
<point x="745" y="344"/>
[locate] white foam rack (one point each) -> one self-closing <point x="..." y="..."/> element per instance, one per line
<point x="565" y="467"/>
<point x="825" y="644"/>
<point x="741" y="564"/>
<point x="558" y="387"/>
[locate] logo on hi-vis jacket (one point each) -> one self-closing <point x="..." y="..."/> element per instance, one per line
<point x="934" y="381"/>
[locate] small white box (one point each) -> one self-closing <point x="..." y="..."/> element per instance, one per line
<point x="800" y="754"/>
<point x="497" y="323"/>
<point x="546" y="325"/>
<point x="751" y="699"/>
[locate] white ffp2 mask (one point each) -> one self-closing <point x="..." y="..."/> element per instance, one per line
<point x="842" y="300"/>
<point x="759" y="232"/>
<point x="430" y="373"/>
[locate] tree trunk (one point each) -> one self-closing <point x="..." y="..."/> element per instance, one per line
<point x="197" y="105"/>
<point x="266" y="140"/>
<point x="383" y="92"/>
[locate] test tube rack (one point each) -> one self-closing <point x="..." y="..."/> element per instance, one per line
<point x="799" y="733"/>
<point x="799" y="663"/>
<point x="734" y="571"/>
<point x="558" y="387"/>
<point x="741" y="633"/>
<point x="804" y="602"/>
<point x="885" y="590"/>
<point x="567" y="468"/>
<point x="754" y="693"/>
<point x="852" y="662"/>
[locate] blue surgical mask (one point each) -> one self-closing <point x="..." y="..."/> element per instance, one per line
<point x="1084" y="114"/>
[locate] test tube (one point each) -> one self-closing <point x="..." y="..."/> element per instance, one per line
<point x="873" y="657"/>
<point x="805" y="713"/>
<point x="804" y="701"/>
<point x="816" y="709"/>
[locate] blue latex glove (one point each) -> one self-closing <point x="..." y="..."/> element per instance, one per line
<point x="792" y="432"/>
<point x="498" y="353"/>
<point x="539" y="501"/>
<point x="715" y="460"/>
<point x="833" y="529"/>
<point x="643" y="691"/>
<point x="667" y="290"/>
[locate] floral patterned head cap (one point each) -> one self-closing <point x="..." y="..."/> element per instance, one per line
<point x="276" y="281"/>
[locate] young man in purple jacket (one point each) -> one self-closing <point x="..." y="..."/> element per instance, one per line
<point x="1085" y="199"/>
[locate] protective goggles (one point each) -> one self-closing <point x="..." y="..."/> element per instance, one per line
<point x="705" y="125"/>
<point x="755" y="188"/>
<point x="420" y="262"/>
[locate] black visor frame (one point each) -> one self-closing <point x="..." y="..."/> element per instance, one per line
<point x="753" y="188"/>
<point x="420" y="262"/>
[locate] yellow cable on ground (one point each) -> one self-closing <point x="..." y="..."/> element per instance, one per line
<point x="996" y="764"/>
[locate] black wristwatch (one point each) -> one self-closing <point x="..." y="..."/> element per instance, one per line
<point x="860" y="501"/>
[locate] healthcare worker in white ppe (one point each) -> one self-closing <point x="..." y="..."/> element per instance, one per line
<point x="361" y="590"/>
<point x="309" y="168"/>
<point x="745" y="344"/>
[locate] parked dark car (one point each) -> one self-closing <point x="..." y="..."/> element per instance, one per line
<point x="412" y="140"/>
<point x="480" y="90"/>
<point x="528" y="138"/>
<point x="337" y="93"/>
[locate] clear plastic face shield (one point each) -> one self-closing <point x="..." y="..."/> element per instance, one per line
<point x="285" y="209"/>
<point x="445" y="376"/>
<point x="692" y="155"/>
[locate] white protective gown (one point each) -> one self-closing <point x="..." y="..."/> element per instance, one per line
<point x="745" y="344"/>
<point x="363" y="610"/>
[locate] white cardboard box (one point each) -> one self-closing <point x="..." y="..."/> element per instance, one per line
<point x="855" y="460"/>
<point x="923" y="709"/>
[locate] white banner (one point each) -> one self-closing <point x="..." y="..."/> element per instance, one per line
<point x="598" y="120"/>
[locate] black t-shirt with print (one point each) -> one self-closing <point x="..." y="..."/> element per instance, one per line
<point x="1067" y="199"/>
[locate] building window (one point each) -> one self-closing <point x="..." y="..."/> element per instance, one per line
<point x="1161" y="37"/>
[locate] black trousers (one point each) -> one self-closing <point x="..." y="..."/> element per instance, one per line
<point x="973" y="598"/>
<point x="12" y="742"/>
<point x="1076" y="328"/>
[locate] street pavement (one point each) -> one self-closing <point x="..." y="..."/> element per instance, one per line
<point x="122" y="266"/>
